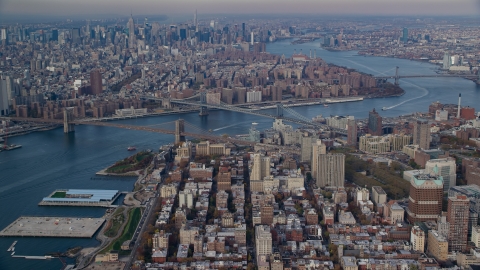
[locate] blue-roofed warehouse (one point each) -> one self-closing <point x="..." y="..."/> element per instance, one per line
<point x="81" y="197"/>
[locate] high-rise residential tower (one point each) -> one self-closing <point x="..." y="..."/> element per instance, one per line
<point x="457" y="216"/>
<point x="421" y="134"/>
<point x="260" y="170"/>
<point x="330" y="170"/>
<point x="306" y="141"/>
<point x="352" y="132"/>
<point x="374" y="123"/>
<point x="318" y="148"/>
<point x="96" y="82"/>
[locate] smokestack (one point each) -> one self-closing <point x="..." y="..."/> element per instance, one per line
<point x="459" y="102"/>
<point x="251" y="37"/>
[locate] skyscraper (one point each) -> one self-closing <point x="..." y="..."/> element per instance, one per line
<point x="457" y="216"/>
<point x="183" y="33"/>
<point x="374" y="123"/>
<point x="54" y="35"/>
<point x="96" y="82"/>
<point x="421" y="134"/>
<point x="352" y="132"/>
<point x="447" y="61"/>
<point x="318" y="148"/>
<point x="330" y="170"/>
<point x="4" y="35"/>
<point x="261" y="167"/>
<point x="260" y="170"/>
<point x="405" y="35"/>
<point x="131" y="32"/>
<point x="4" y="108"/>
<point x="425" y="200"/>
<point x="76" y="35"/>
<point x="87" y="28"/>
<point x="195" y="19"/>
<point x="306" y="141"/>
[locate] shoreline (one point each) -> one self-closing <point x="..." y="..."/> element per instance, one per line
<point x="26" y="132"/>
<point x="127" y="174"/>
<point x="418" y="60"/>
<point x="334" y="50"/>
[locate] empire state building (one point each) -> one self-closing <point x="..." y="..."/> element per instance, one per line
<point x="131" y="32"/>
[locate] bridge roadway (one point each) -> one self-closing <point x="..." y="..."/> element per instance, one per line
<point x="427" y="76"/>
<point x="291" y="149"/>
<point x="252" y="112"/>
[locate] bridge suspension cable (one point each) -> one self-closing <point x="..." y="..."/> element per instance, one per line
<point x="162" y="124"/>
<point x="385" y="72"/>
<point x="296" y="114"/>
<point x="197" y="129"/>
<point x="298" y="118"/>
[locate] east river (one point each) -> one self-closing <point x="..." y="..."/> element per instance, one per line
<point x="51" y="160"/>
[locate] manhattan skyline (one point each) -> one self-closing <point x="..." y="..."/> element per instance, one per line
<point x="323" y="7"/>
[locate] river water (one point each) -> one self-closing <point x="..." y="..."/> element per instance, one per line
<point x="51" y="160"/>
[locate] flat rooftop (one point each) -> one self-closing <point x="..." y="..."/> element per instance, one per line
<point x="53" y="227"/>
<point x="379" y="190"/>
<point x="468" y="190"/>
<point x="81" y="197"/>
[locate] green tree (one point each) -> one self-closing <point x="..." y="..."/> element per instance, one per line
<point x="413" y="164"/>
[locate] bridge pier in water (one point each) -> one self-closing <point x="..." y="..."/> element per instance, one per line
<point x="279" y="110"/>
<point x="203" y="111"/>
<point x="179" y="129"/>
<point x="67" y="119"/>
<point x="203" y="100"/>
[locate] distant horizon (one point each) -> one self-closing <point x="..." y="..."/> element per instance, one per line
<point x="181" y="17"/>
<point x="93" y="8"/>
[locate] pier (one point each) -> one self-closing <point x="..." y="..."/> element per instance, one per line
<point x="46" y="257"/>
<point x="53" y="227"/>
<point x="81" y="197"/>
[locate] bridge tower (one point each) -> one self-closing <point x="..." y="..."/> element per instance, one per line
<point x="166" y="103"/>
<point x="203" y="100"/>
<point x="179" y="129"/>
<point x="478" y="79"/>
<point x="279" y="110"/>
<point x="396" y="76"/>
<point x="67" y="119"/>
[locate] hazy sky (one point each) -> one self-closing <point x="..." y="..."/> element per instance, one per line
<point x="360" y="7"/>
